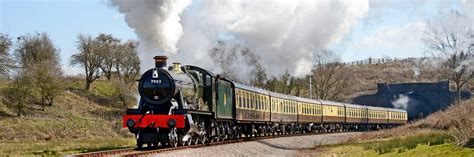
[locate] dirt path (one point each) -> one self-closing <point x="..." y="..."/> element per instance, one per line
<point x="285" y="146"/>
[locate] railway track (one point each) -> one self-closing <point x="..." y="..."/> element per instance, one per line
<point x="131" y="152"/>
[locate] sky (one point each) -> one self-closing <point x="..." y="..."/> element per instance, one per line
<point x="390" y="28"/>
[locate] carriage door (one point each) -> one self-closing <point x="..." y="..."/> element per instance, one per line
<point x="225" y="106"/>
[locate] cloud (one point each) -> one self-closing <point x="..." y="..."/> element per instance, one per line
<point x="284" y="34"/>
<point x="404" y="41"/>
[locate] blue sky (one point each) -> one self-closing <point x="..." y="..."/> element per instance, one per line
<point x="390" y="29"/>
<point x="63" y="20"/>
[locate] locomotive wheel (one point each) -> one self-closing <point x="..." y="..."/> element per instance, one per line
<point x="196" y="141"/>
<point x="173" y="138"/>
<point x="204" y="139"/>
<point x="139" y="145"/>
<point x="180" y="140"/>
<point x="190" y="141"/>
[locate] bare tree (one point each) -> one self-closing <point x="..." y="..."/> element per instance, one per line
<point x="107" y="46"/>
<point x="37" y="56"/>
<point x="6" y="62"/>
<point x="451" y="36"/>
<point x="127" y="62"/>
<point x="297" y="85"/>
<point x="88" y="58"/>
<point x="331" y="79"/>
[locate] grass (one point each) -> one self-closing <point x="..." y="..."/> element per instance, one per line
<point x="421" y="150"/>
<point x="78" y="121"/>
<point x="407" y="143"/>
<point x="62" y="146"/>
<point x="419" y="145"/>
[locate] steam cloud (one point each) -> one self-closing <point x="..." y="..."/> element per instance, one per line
<point x="284" y="35"/>
<point x="156" y="22"/>
<point x="401" y="102"/>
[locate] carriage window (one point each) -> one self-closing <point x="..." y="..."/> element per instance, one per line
<point x="241" y="101"/>
<point x="257" y="102"/>
<point x="247" y="100"/>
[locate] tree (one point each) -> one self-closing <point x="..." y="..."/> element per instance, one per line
<point x="127" y="62"/>
<point x="36" y="55"/>
<point x="20" y="90"/>
<point x="296" y="85"/>
<point x="331" y="78"/>
<point x="88" y="57"/>
<point x="48" y="80"/>
<point x="451" y="36"/>
<point x="124" y="93"/>
<point x="6" y="62"/>
<point x="107" y="46"/>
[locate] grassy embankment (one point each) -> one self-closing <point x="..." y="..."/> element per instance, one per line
<point x="78" y="121"/>
<point x="444" y="133"/>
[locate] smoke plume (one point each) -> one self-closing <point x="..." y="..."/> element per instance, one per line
<point x="156" y="22"/>
<point x="283" y="35"/>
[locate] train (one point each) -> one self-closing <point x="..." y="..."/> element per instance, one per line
<point x="186" y="105"/>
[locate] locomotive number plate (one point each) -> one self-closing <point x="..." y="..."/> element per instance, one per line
<point x="156" y="81"/>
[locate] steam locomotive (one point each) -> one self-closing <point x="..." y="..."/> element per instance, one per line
<point x="185" y="105"/>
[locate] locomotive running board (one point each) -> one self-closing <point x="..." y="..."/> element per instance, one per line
<point x="186" y="111"/>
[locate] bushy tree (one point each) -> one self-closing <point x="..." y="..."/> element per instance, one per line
<point x="20" y="90"/>
<point x="38" y="60"/>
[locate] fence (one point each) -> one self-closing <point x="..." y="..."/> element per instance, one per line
<point x="382" y="60"/>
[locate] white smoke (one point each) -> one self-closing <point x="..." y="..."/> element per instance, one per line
<point x="401" y="102"/>
<point x="156" y="22"/>
<point x="283" y="34"/>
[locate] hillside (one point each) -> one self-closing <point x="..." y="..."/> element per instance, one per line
<point x="77" y="115"/>
<point x="366" y="76"/>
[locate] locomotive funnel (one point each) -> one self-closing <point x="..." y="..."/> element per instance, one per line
<point x="160" y="62"/>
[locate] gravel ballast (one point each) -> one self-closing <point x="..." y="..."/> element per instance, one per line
<point x="284" y="146"/>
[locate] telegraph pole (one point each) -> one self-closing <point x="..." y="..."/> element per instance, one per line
<point x="310" y="86"/>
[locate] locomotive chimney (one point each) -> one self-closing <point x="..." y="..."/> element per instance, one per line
<point x="160" y="62"/>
